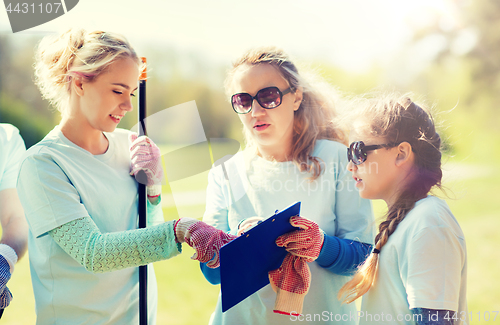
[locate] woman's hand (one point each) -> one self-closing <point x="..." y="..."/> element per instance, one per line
<point x="305" y="242"/>
<point x="205" y="239"/>
<point x="145" y="155"/>
<point x="5" y="295"/>
<point x="248" y="224"/>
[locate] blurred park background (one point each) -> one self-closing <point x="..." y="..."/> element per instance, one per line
<point x="444" y="51"/>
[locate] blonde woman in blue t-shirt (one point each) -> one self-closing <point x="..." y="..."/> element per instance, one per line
<point x="79" y="198"/>
<point x="294" y="152"/>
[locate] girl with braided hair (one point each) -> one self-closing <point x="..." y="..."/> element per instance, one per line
<point x="416" y="273"/>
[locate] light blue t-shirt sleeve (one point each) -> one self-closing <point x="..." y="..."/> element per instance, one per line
<point x="47" y="195"/>
<point x="12" y="149"/>
<point x="432" y="277"/>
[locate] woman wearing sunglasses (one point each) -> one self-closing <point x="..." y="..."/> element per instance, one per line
<point x="417" y="271"/>
<point x="293" y="153"/>
<point x="79" y="197"/>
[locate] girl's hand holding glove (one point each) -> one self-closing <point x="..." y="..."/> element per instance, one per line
<point x="205" y="239"/>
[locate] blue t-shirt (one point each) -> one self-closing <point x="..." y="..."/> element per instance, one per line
<point x="60" y="182"/>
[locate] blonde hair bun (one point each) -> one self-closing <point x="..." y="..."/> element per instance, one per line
<point x="76" y="52"/>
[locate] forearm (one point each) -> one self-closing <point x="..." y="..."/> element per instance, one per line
<point x="99" y="252"/>
<point x="342" y="256"/>
<point x="212" y="275"/>
<point x="154" y="194"/>
<point x="154" y="212"/>
<point x="14" y="225"/>
<point x="154" y="200"/>
<point x="15" y="235"/>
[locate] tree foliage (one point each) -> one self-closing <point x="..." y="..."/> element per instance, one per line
<point x="464" y="77"/>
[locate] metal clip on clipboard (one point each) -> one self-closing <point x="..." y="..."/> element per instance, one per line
<point x="246" y="261"/>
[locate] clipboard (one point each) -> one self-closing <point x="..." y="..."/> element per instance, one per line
<point x="246" y="261"/>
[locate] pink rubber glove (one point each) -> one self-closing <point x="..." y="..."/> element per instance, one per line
<point x="305" y="242"/>
<point x="291" y="282"/>
<point x="205" y="239"/>
<point x="146" y="156"/>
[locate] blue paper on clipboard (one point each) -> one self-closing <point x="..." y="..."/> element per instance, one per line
<point x="246" y="261"/>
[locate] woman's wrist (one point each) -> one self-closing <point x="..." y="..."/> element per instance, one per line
<point x="153" y="191"/>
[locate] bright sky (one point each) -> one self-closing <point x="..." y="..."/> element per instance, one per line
<point x="351" y="34"/>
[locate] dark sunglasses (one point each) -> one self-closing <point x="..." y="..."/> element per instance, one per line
<point x="268" y="98"/>
<point x="357" y="151"/>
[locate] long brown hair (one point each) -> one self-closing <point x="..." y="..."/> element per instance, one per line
<point x="397" y="119"/>
<point x="316" y="116"/>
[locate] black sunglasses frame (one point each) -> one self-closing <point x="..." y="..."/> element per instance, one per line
<point x="363" y="150"/>
<point x="256" y="97"/>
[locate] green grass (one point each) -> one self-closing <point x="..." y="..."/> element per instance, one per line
<point x="185" y="297"/>
<point x="476" y="205"/>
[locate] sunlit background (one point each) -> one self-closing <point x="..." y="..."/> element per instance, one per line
<point x="446" y="52"/>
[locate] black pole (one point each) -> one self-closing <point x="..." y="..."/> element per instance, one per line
<point x="143" y="270"/>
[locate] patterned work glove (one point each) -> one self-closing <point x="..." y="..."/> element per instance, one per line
<point x="146" y="156"/>
<point x="205" y="239"/>
<point x="291" y="283"/>
<point x="305" y="242"/>
<point x="292" y="279"/>
<point x="5" y="294"/>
